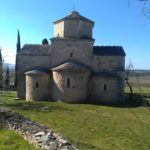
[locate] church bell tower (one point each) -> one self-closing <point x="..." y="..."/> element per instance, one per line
<point x="72" y="39"/>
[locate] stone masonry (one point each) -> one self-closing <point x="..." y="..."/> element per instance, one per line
<point x="71" y="69"/>
<point x="36" y="134"/>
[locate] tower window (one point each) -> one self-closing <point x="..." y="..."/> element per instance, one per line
<point x="68" y="83"/>
<point x="105" y="87"/>
<point x="71" y="54"/>
<point x="37" y="85"/>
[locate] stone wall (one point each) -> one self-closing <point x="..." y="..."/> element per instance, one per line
<point x="108" y="63"/>
<point x="121" y="82"/>
<point x="77" y="91"/>
<point x="26" y="60"/>
<point x="37" y="86"/>
<point x="73" y="29"/>
<point x="105" y="89"/>
<point x="77" y="29"/>
<point x="34" y="133"/>
<point x="81" y="50"/>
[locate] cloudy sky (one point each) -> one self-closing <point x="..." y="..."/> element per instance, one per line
<point x="117" y="22"/>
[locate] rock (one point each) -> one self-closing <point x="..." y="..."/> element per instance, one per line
<point x="50" y="136"/>
<point x="56" y="135"/>
<point x="53" y="145"/>
<point x="46" y="147"/>
<point x="34" y="133"/>
<point x="63" y="142"/>
<point x="65" y="148"/>
<point x="44" y="139"/>
<point x="37" y="138"/>
<point x="40" y="134"/>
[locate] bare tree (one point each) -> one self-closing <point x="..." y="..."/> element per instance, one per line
<point x="133" y="80"/>
<point x="145" y="11"/>
<point x="129" y="68"/>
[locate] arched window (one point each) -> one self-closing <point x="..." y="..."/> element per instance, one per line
<point x="37" y="85"/>
<point x="71" y="54"/>
<point x="68" y="83"/>
<point x="105" y="87"/>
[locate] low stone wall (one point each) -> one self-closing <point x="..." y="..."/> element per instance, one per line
<point x="36" y="134"/>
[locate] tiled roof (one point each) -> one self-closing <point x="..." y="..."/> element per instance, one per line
<point x="35" y="49"/>
<point x="38" y="70"/>
<point x="74" y="15"/>
<point x="71" y="65"/>
<point x="108" y="51"/>
<point x="104" y="74"/>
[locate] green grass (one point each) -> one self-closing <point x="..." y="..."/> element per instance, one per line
<point x="9" y="140"/>
<point x="139" y="84"/>
<point x="143" y="90"/>
<point x="89" y="127"/>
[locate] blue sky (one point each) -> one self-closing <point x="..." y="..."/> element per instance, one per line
<point x="116" y="23"/>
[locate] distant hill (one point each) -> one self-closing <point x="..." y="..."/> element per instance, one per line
<point x="139" y="72"/>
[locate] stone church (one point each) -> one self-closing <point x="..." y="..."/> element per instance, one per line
<point x="70" y="69"/>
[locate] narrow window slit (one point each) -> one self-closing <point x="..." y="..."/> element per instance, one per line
<point x="37" y="84"/>
<point x="105" y="87"/>
<point x="68" y="83"/>
<point x="71" y="54"/>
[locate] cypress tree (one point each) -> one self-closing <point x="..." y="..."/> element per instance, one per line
<point x="1" y="70"/>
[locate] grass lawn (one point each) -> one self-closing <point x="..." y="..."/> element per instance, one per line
<point x="9" y="140"/>
<point x="143" y="90"/>
<point x="89" y="127"/>
<point x="139" y="84"/>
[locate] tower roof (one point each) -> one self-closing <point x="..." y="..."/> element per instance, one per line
<point x="74" y="15"/>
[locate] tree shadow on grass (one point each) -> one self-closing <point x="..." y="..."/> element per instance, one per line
<point x="87" y="146"/>
<point x="137" y="100"/>
<point x="6" y="95"/>
<point x="39" y="106"/>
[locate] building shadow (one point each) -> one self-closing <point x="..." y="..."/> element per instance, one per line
<point x="137" y="100"/>
<point x="38" y="106"/>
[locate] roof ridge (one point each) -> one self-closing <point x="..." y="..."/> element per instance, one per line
<point x="73" y="16"/>
<point x="69" y="64"/>
<point x="108" y="51"/>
